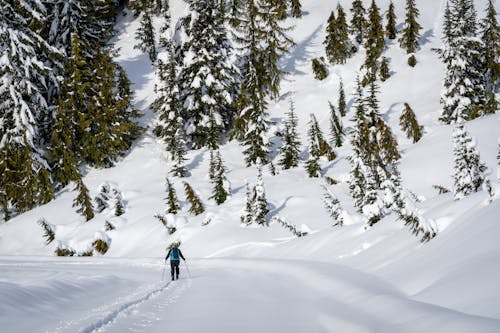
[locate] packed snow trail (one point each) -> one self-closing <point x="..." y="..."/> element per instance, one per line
<point x="224" y="295"/>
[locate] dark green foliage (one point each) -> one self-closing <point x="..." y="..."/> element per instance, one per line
<point x="119" y="208"/>
<point x="260" y="207"/>
<point x="100" y="246"/>
<point x="342" y="103"/>
<point x="358" y="21"/>
<point x="295" y="8"/>
<point x="410" y="34"/>
<point x="390" y="28"/>
<point x="292" y="228"/>
<point x="64" y="252"/>
<point x="219" y="193"/>
<point x="338" y="46"/>
<point x="409" y="124"/>
<point x="336" y="129"/>
<point x="412" y="61"/>
<point x="88" y="253"/>
<point x="83" y="201"/>
<point x="108" y="226"/>
<point x="196" y="204"/>
<point x="315" y="140"/>
<point x="290" y="150"/>
<point x="145" y="35"/>
<point x="385" y="72"/>
<point x="374" y="43"/>
<point x="319" y="69"/>
<point x="172" y="201"/>
<point x="490" y="36"/>
<point x="48" y="231"/>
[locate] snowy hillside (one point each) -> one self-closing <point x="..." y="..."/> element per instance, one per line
<point x="248" y="279"/>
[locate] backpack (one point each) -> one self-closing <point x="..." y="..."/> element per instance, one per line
<point x="174" y="254"/>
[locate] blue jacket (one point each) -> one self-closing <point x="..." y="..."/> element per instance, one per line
<point x="174" y="254"/>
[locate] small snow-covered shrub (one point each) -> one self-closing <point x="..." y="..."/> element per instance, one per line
<point x="88" y="253"/>
<point x="303" y="231"/>
<point x="108" y="226"/>
<point x="441" y="189"/>
<point x="168" y="221"/>
<point x="48" y="231"/>
<point x="319" y="68"/>
<point x="330" y="181"/>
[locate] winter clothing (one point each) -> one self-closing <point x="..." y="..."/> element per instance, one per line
<point x="174" y="254"/>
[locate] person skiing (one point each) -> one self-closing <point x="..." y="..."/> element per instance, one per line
<point x="175" y="255"/>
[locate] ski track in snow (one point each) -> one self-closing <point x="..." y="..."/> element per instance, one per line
<point x="125" y="307"/>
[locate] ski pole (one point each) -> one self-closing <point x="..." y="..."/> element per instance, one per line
<point x="163" y="272"/>
<point x="187" y="268"/>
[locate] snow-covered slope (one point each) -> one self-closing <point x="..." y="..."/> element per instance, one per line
<point x="345" y="279"/>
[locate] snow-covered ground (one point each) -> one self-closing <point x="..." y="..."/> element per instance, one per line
<point x="251" y="279"/>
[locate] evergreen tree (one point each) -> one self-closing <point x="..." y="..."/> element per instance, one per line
<point x="145" y="35"/>
<point x="83" y="201"/>
<point x="119" y="209"/>
<point x="409" y="124"/>
<point x="390" y="28"/>
<point x="179" y="151"/>
<point x="411" y="31"/>
<point x="490" y="36"/>
<point x="196" y="204"/>
<point x="385" y="72"/>
<point x="260" y="207"/>
<point x="246" y="217"/>
<point x="295" y="8"/>
<point x="374" y="42"/>
<point x="167" y="103"/>
<point x="338" y="46"/>
<point x="336" y="129"/>
<point x="219" y="193"/>
<point x="172" y="201"/>
<point x="23" y="106"/>
<point x="102" y="198"/>
<point x="468" y="170"/>
<point x="333" y="207"/>
<point x="315" y="141"/>
<point x="291" y="145"/>
<point x="208" y="78"/>
<point x="463" y="93"/>
<point x="342" y="103"/>
<point x="358" y="21"/>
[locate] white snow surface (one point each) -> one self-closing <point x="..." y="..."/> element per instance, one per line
<point x="265" y="279"/>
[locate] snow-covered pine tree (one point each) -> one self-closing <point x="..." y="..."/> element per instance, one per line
<point x="490" y="36"/>
<point x="246" y="217"/>
<point x="23" y="106"/>
<point x="409" y="124"/>
<point x="337" y="132"/>
<point x="410" y="34"/>
<point x="315" y="136"/>
<point x="333" y="207"/>
<point x="102" y="198"/>
<point x="342" y="105"/>
<point x="463" y="91"/>
<point x="358" y="21"/>
<point x="390" y="28"/>
<point x="179" y="151"/>
<point x="384" y="71"/>
<point x="167" y="103"/>
<point x="374" y="43"/>
<point x="208" y="76"/>
<point x="468" y="169"/>
<point x="295" y="8"/>
<point x="219" y="192"/>
<point x="145" y="34"/>
<point x="83" y="201"/>
<point x="119" y="207"/>
<point x="172" y="201"/>
<point x="260" y="207"/>
<point x="196" y="204"/>
<point x="290" y="150"/>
